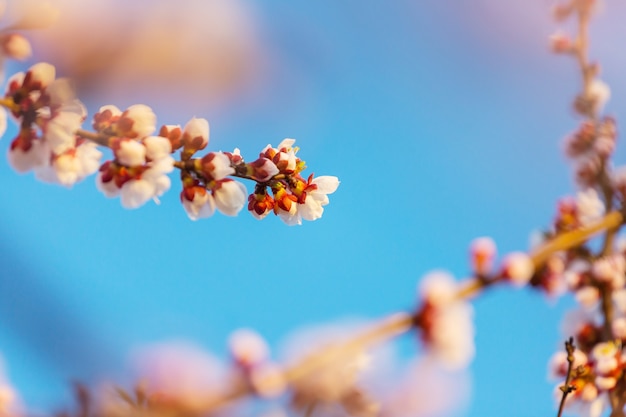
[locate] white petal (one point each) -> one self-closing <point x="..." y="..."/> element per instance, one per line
<point x="136" y="193"/>
<point x="326" y="184"/>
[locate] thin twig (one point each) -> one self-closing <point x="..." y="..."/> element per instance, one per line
<point x="566" y="388"/>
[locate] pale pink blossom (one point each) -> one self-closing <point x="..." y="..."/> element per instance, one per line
<point x="216" y="165"/>
<point x="136" y="193"/>
<point x="41" y="74"/>
<point x="599" y="93"/>
<point x="605" y="382"/>
<point x="196" y="131"/>
<point x="109" y="188"/>
<point x="286" y="161"/>
<point x="610" y="269"/>
<point x="264" y="169"/>
<point x="60" y="131"/>
<point x="286" y="144"/>
<point x="518" y="268"/>
<point x="72" y="166"/>
<point x="619" y="327"/>
<point x="605" y="356"/>
<point x="425" y="389"/>
<point x="202" y="204"/>
<point x="183" y="373"/>
<point x="115" y="111"/>
<point x="313" y="206"/>
<point x="451" y="338"/>
<point x="588" y="296"/>
<point x="448" y="331"/>
<point x="589" y="206"/>
<point x="292" y="216"/>
<point x="576" y="320"/>
<point x="619" y="300"/>
<point x="248" y="348"/>
<point x="24" y="161"/>
<point x="157" y="147"/>
<point x="557" y="368"/>
<point x="230" y="197"/>
<point x="141" y="121"/>
<point x="131" y="153"/>
<point x="62" y="93"/>
<point x="482" y="253"/>
<point x="334" y="380"/>
<point x="604" y="146"/>
<point x="438" y="288"/>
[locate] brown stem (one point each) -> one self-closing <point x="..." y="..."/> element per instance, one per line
<point x="567" y="388"/>
<point x="99" y="138"/>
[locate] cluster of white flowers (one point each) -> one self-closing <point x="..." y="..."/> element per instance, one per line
<point x="49" y="115"/>
<point x="51" y="142"/>
<point x="139" y="171"/>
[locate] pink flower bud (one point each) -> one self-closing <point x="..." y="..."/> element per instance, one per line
<point x="482" y="254"/>
<point x="196" y="134"/>
<point x="39" y="76"/>
<point x="216" y="165"/>
<point x="137" y="121"/>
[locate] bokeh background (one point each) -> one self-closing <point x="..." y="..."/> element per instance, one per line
<point x="443" y="120"/>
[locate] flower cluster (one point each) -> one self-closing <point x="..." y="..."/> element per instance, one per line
<point x="51" y="142"/>
<point x="49" y="115"/>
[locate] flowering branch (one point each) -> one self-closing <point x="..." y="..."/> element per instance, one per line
<point x="52" y="142"/>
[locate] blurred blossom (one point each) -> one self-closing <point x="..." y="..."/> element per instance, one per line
<point x="194" y="49"/>
<point x="180" y="374"/>
<point x="426" y="390"/>
<point x="341" y="382"/>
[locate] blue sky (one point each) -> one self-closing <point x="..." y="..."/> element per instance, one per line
<point x="443" y="121"/>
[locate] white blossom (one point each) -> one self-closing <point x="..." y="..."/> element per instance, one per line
<point x="131" y="153"/>
<point x="291" y="217"/>
<point x="136" y="193"/>
<point x="182" y="372"/>
<point x="312" y="209"/>
<point x="599" y="92"/>
<point x="589" y="205"/>
<point x="247" y="347"/>
<point x="230" y="197"/>
<point x="197" y="128"/>
<point x="36" y="156"/>
<point x="42" y="73"/>
<point x="518" y="268"/>
<point x="143" y="120"/>
<point x="588" y="296"/>
<point x="202" y="205"/>
<point x="157" y="147"/>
